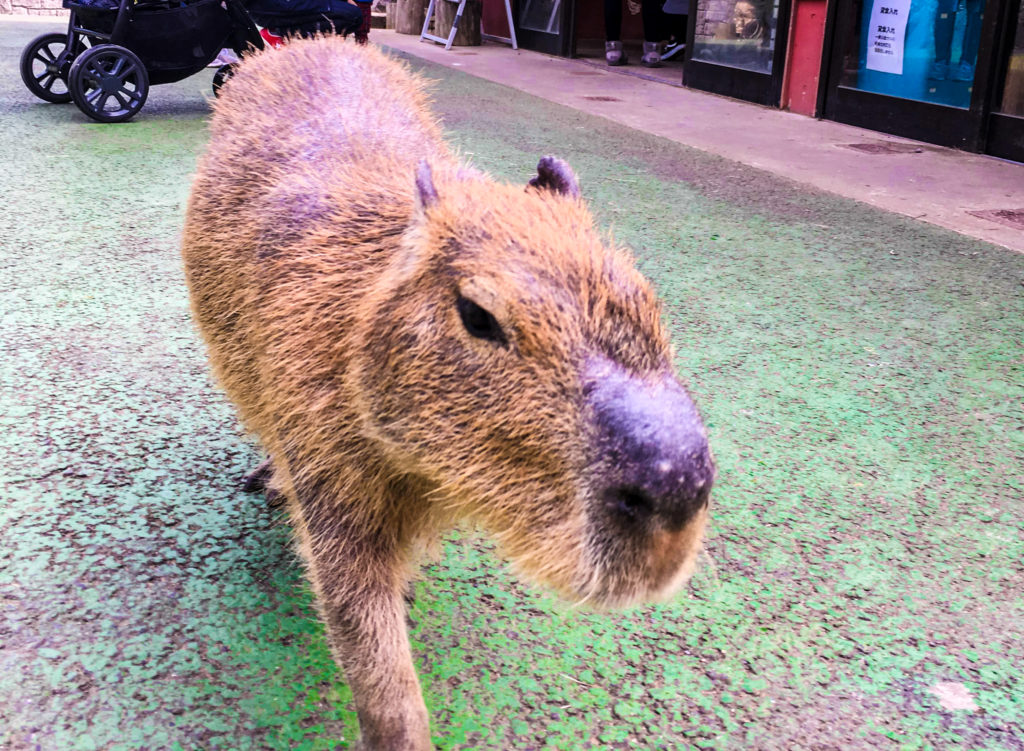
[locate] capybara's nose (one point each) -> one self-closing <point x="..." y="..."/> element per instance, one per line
<point x="654" y="461"/>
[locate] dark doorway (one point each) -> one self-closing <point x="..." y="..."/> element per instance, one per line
<point x="669" y="27"/>
<point x="545" y="25"/>
<point x="1005" y="136"/>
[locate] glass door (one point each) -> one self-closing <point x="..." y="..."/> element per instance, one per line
<point x="915" y="68"/>
<point x="737" y="48"/>
<point x="544" y="25"/>
<point x="1006" y="128"/>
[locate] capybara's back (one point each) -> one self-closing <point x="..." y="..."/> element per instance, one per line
<point x="316" y="138"/>
<point x="414" y="343"/>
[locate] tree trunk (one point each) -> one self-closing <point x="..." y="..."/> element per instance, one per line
<point x="469" y="25"/>
<point x="409" y="15"/>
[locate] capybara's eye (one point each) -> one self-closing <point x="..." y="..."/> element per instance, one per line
<point x="479" y="322"/>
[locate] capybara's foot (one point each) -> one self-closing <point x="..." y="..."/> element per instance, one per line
<point x="258" y="479"/>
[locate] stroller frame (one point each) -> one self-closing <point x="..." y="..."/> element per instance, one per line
<point x="109" y="57"/>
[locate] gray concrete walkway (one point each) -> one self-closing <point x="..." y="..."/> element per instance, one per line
<point x="934" y="184"/>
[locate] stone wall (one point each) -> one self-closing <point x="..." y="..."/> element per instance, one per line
<point x="31" y="8"/>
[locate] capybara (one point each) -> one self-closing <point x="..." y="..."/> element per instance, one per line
<point x="415" y="344"/>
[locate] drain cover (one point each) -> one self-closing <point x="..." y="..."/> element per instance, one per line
<point x="1010" y="217"/>
<point x="884" y="147"/>
<point x="602" y="99"/>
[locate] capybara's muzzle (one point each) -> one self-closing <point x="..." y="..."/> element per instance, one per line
<point x="653" y="464"/>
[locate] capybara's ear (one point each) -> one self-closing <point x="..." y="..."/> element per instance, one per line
<point x="555" y="174"/>
<point x="426" y="193"/>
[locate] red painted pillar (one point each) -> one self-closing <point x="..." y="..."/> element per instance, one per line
<point x="803" y="64"/>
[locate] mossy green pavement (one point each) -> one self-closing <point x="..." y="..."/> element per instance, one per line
<point x="860" y="373"/>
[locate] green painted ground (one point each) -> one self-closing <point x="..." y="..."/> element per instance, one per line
<point x="861" y="375"/>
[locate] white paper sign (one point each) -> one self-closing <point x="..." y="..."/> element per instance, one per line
<point x="886" y="35"/>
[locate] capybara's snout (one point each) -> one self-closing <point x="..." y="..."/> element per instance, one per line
<point x="654" y="466"/>
<point x="650" y="480"/>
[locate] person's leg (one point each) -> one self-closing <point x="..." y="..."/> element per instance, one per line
<point x="363" y="32"/>
<point x="346" y="18"/>
<point x="613" y="52"/>
<point x="964" y="70"/>
<point x="674" y="19"/>
<point x="945" y="19"/>
<point x="613" y="20"/>
<point x="651" y="15"/>
<point x="972" y="31"/>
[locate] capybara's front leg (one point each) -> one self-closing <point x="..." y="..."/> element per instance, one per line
<point x="369" y="639"/>
<point x="360" y="584"/>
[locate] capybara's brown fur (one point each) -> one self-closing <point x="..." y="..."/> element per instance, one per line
<point x="415" y="344"/>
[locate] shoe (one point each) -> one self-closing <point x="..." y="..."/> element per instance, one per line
<point x="614" y="54"/>
<point x="651" y="57"/>
<point x="938" y="71"/>
<point x="962" y="72"/>
<point x="224" y="57"/>
<point x="672" y="49"/>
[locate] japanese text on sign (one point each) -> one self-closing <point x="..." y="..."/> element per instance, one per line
<point x="886" y="35"/>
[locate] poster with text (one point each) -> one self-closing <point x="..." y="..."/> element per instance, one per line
<point x="886" y="35"/>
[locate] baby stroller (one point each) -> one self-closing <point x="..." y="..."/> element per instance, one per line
<point x="114" y="50"/>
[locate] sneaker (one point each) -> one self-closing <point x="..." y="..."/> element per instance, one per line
<point x="651" y="57"/>
<point x="962" y="72"/>
<point x="225" y="57"/>
<point x="938" y="71"/>
<point x="672" y="49"/>
<point x="614" y="54"/>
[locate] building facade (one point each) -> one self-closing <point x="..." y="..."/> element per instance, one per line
<point x="949" y="72"/>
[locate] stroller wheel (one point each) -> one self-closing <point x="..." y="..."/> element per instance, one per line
<point x="222" y="76"/>
<point x="44" y="68"/>
<point x="109" y="83"/>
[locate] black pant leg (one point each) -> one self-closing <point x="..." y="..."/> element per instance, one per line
<point x="613" y="20"/>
